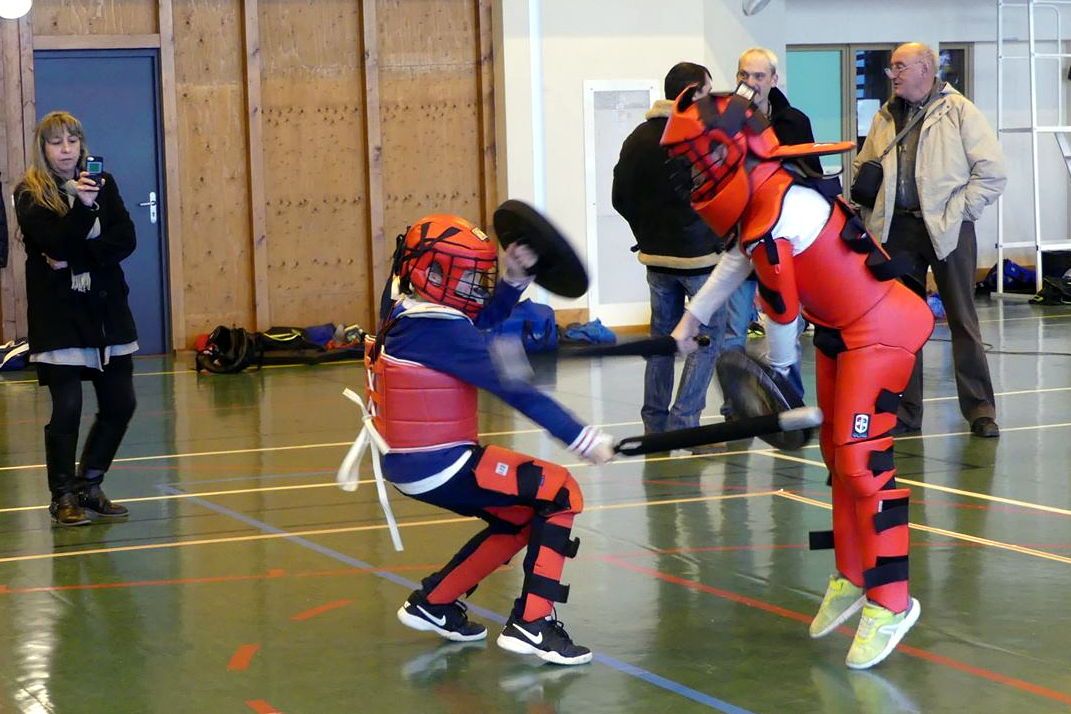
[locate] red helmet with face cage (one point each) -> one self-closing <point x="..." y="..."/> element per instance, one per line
<point x="449" y="261"/>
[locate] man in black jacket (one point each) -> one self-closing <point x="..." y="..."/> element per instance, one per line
<point x="757" y="68"/>
<point x="679" y="251"/>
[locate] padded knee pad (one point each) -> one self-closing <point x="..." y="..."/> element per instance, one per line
<point x="866" y="466"/>
<point x="550" y="487"/>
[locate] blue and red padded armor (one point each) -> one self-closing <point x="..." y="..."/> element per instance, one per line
<point x="457" y="347"/>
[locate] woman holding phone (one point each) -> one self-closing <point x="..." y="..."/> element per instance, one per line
<point x="77" y="231"/>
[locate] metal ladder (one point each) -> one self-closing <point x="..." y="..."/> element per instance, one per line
<point x="1061" y="130"/>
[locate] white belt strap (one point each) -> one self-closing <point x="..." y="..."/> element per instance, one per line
<point x="348" y="476"/>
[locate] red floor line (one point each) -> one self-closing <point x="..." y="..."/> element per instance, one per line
<point x="242" y="658"/>
<point x="654" y="552"/>
<point x="800" y="617"/>
<point x="262" y="707"/>
<point x="321" y="609"/>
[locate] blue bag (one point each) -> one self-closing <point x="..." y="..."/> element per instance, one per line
<point x="533" y="323"/>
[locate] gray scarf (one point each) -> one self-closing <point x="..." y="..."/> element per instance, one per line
<point x="80" y="282"/>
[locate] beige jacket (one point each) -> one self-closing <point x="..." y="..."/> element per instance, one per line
<point x="959" y="169"/>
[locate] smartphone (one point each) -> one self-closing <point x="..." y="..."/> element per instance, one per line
<point x="94" y="167"/>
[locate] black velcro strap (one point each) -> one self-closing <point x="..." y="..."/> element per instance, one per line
<point x="770" y="246"/>
<point x="892" y="268"/>
<point x="888" y="570"/>
<point x="772" y="298"/>
<point x="529" y="476"/>
<point x="881" y="461"/>
<point x="557" y="539"/>
<point x="893" y="513"/>
<point x="828" y="341"/>
<point x="545" y="587"/>
<point x="855" y="235"/>
<point x="820" y="540"/>
<point x="887" y="402"/>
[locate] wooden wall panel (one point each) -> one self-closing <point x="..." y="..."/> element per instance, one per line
<point x="314" y="161"/>
<point x="430" y="96"/>
<point x="216" y="248"/>
<point x="421" y="66"/>
<point x="16" y="108"/>
<point x="96" y="17"/>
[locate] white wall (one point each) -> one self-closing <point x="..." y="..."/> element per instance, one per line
<point x="541" y="139"/>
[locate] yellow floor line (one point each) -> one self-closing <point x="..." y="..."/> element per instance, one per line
<point x="936" y="487"/>
<point x="355" y="529"/>
<point x="328" y="484"/>
<point x="948" y="534"/>
<point x="325" y="445"/>
<point x="194" y="371"/>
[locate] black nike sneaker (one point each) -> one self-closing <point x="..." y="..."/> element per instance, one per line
<point x="545" y="638"/>
<point x="450" y="620"/>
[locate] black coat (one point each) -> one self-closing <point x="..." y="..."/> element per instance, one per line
<point x="60" y="317"/>
<point x="669" y="234"/>
<point x="792" y="127"/>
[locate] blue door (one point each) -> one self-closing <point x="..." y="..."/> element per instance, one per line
<point x="115" y="95"/>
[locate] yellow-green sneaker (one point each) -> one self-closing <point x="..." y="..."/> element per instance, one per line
<point x="842" y="600"/>
<point x="879" y="632"/>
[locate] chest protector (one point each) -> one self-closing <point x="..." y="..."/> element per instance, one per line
<point x="835" y="280"/>
<point x="416" y="408"/>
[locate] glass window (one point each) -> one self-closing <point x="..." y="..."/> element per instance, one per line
<point x="953" y="67"/>
<point x="872" y="87"/>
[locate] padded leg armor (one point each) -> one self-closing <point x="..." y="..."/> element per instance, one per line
<point x="870" y="532"/>
<point x="548" y="499"/>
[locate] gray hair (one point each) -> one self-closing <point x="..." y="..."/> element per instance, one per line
<point x="767" y="54"/>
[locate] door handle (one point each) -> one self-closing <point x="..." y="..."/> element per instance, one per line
<point x="151" y="203"/>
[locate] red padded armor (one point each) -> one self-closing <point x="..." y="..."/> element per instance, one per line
<point x="416" y="408"/>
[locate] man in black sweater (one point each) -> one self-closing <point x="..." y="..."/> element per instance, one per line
<point x="679" y="251"/>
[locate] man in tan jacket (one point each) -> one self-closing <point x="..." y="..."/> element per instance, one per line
<point x="936" y="181"/>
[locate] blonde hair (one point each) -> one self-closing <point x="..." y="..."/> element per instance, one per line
<point x="40" y="180"/>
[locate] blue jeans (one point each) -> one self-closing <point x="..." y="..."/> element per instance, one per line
<point x="741" y="309"/>
<point x="668" y="292"/>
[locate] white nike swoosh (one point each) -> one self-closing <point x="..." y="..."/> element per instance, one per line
<point x="440" y="621"/>
<point x="534" y="639"/>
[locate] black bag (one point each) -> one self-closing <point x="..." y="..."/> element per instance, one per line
<point x="228" y="350"/>
<point x="867" y="183"/>
<point x="870" y="176"/>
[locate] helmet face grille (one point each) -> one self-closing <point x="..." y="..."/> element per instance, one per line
<point x="448" y="261"/>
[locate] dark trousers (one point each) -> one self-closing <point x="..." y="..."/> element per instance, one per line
<point x="116" y="402"/>
<point x="955" y="286"/>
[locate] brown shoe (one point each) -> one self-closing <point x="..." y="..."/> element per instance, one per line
<point x="93" y="500"/>
<point x="985" y="427"/>
<point x="65" y="511"/>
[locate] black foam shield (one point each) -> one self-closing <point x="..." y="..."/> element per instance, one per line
<point x="558" y="269"/>
<point x="753" y="389"/>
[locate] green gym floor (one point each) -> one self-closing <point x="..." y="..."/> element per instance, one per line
<point x="245" y="581"/>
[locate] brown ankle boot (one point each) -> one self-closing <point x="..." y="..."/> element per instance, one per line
<point x="93" y="500"/>
<point x="65" y="511"/>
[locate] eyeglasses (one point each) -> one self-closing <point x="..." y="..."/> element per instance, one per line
<point x="894" y="71"/>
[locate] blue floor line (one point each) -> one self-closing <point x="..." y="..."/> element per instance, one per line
<point x="611" y="662"/>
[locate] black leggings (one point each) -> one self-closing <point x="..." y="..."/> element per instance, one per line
<point x="114" y="387"/>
